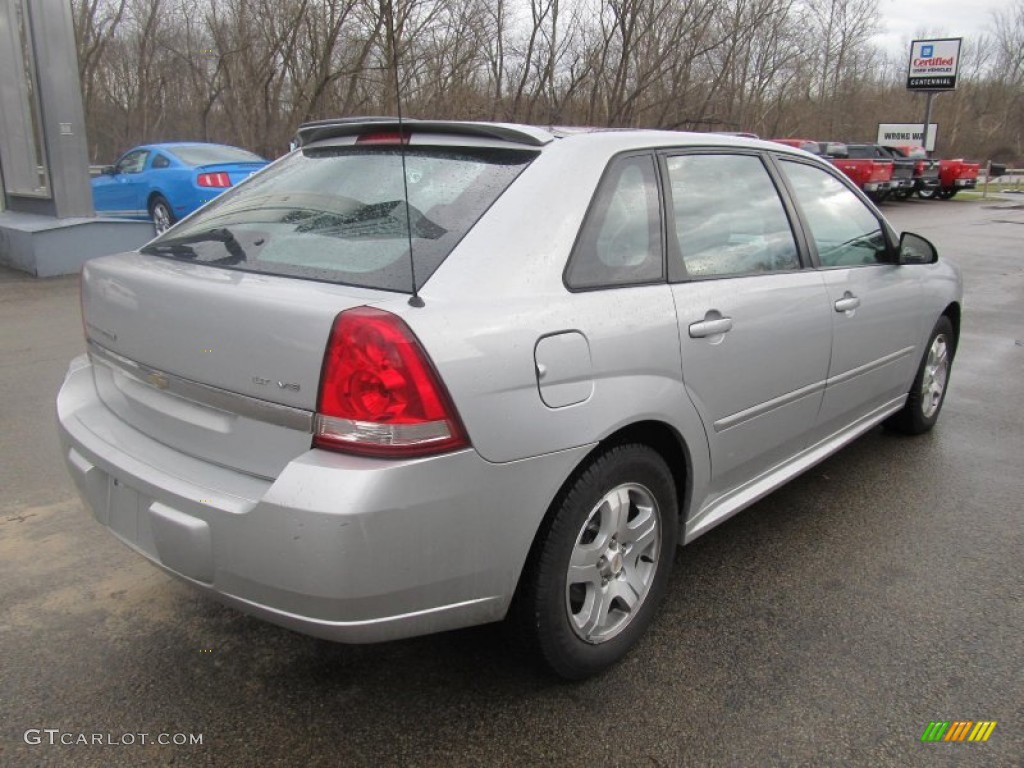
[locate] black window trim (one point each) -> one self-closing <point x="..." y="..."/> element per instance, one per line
<point x="592" y="211"/>
<point x="812" y="249"/>
<point x="677" y="265"/>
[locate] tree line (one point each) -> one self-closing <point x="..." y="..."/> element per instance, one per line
<point x="248" y="72"/>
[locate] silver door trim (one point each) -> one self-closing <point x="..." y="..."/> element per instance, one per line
<point x="769" y="405"/>
<point x="868" y="367"/>
<point x="204" y="394"/>
<point x="723" y="507"/>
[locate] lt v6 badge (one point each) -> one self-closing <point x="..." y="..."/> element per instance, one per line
<point x="289" y="385"/>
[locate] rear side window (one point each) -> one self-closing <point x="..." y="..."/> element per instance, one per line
<point x="845" y="231"/>
<point x="160" y="162"/>
<point x="620" y="242"/>
<point x="339" y="214"/>
<point x="729" y="219"/>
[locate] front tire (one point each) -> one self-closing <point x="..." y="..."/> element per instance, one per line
<point x="928" y="392"/>
<point x="930" y="193"/>
<point x="600" y="564"/>
<point x="161" y="214"/>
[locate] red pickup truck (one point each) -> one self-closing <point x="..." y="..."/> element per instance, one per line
<point x="872" y="175"/>
<point x="954" y="175"/>
<point x="926" y="170"/>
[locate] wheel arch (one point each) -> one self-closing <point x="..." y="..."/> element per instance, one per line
<point x="151" y="198"/>
<point x="953" y="313"/>
<point x="668" y="443"/>
<point x="657" y="435"/>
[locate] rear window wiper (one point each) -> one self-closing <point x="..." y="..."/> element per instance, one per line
<point x="386" y="219"/>
<point x="181" y="247"/>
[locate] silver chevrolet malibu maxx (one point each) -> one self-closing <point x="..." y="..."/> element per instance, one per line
<point x="419" y="376"/>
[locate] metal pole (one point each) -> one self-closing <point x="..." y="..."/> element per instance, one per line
<point x="927" y="119"/>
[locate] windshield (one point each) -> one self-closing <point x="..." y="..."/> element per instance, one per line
<point x="210" y="154"/>
<point x="339" y="214"/>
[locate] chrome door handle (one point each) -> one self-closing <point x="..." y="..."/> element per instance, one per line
<point x="710" y="327"/>
<point x="847" y="303"/>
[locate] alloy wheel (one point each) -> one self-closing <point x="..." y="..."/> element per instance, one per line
<point x="161" y="218"/>
<point x="613" y="563"/>
<point x="936" y="374"/>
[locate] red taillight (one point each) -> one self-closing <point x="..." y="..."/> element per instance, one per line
<point x="383" y="137"/>
<point x="213" y="180"/>
<point x="379" y="394"/>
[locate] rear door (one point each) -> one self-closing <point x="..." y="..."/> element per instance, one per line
<point x="754" y="326"/>
<point x="872" y="302"/>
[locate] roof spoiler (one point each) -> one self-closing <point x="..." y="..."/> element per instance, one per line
<point x="353" y="126"/>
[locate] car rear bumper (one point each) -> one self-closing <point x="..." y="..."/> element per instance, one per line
<point x="341" y="547"/>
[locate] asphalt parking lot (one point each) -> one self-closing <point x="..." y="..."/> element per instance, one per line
<point x="826" y="626"/>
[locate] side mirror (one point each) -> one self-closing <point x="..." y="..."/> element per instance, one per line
<point x="109" y="170"/>
<point x="914" y="249"/>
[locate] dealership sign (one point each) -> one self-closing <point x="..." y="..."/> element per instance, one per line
<point x="906" y="135"/>
<point x="933" y="64"/>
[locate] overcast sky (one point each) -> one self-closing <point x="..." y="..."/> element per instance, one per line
<point x="901" y="21"/>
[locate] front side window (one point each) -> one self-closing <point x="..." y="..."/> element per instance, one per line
<point x="339" y="214"/>
<point x="844" y="230"/>
<point x="133" y="162"/>
<point x="729" y="219"/>
<point x="620" y="242"/>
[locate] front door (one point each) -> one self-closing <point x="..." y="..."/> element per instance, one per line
<point x="122" y="193"/>
<point x="873" y="302"/>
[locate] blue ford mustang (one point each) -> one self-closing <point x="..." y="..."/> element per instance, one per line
<point x="165" y="182"/>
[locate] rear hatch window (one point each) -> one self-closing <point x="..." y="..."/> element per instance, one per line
<point x="213" y="154"/>
<point x="339" y="214"/>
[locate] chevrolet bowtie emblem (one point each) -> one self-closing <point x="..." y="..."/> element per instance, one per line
<point x="158" y="380"/>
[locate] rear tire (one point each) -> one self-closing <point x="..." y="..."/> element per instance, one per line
<point x="928" y="392"/>
<point x="600" y="564"/>
<point x="928" y="194"/>
<point x="161" y="214"/>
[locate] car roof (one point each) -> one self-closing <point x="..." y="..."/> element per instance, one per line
<point x="170" y="146"/>
<point x="535" y="137"/>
